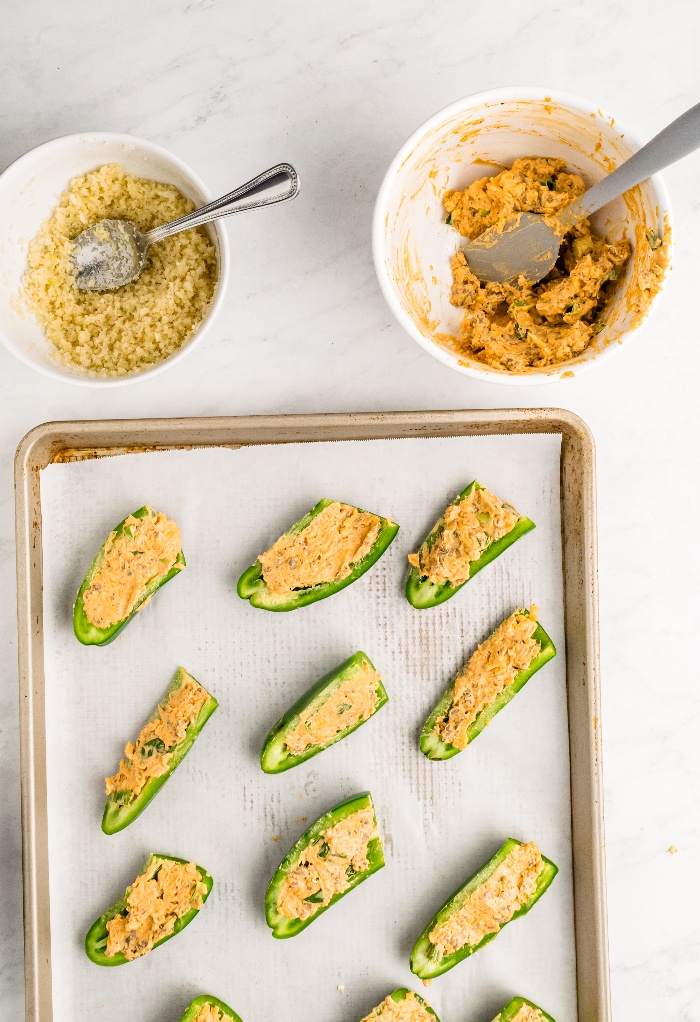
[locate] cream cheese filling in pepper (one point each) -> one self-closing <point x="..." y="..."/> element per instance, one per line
<point x="150" y="755"/>
<point x="493" y="903"/>
<point x="147" y="548"/>
<point x="522" y="326"/>
<point x="490" y="669"/>
<point x="354" y="700"/>
<point x="156" y="900"/>
<point x="526" y="1013"/>
<point x="322" y="870"/>
<point x="467" y="529"/>
<point x="325" y="551"/>
<point x="209" y="1013"/>
<point x="408" y="1010"/>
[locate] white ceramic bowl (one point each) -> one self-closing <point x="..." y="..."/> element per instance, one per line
<point x="29" y="190"/>
<point x="413" y="246"/>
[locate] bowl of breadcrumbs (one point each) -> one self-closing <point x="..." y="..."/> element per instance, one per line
<point x="53" y="193"/>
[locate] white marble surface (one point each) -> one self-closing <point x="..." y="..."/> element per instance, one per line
<point x="336" y="89"/>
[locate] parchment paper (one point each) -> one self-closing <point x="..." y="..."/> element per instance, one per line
<point x="439" y="821"/>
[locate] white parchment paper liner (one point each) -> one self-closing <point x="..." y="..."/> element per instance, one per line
<point x="439" y="821"/>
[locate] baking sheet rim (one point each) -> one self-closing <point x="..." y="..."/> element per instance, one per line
<point x="50" y="441"/>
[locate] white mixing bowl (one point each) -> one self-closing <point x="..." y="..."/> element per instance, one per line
<point x="29" y="190"/>
<point x="475" y="137"/>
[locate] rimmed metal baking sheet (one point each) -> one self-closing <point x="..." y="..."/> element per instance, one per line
<point x="77" y="440"/>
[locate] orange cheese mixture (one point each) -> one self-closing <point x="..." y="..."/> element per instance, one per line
<point x="155" y="901"/>
<point x="150" y="755"/>
<point x="210" y="1013"/>
<point x="526" y="1013"/>
<point x="323" y="868"/>
<point x="354" y="700"/>
<point x="465" y="531"/>
<point x="325" y="551"/>
<point x="147" y="548"/>
<point x="493" y="903"/>
<point x="521" y="326"/>
<point x="408" y="1010"/>
<point x="490" y="669"/>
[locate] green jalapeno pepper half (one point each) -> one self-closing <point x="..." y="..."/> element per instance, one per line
<point x="96" y="937"/>
<point x="275" y="756"/>
<point x="206" y="1000"/>
<point x="432" y="745"/>
<point x="426" y="960"/>
<point x="400" y="995"/>
<point x="421" y="593"/>
<point x="282" y="926"/>
<point x="123" y="807"/>
<point x="88" y="633"/>
<point x="252" y="585"/>
<point x="508" y="1013"/>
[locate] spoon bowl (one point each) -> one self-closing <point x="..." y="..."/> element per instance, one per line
<point x="108" y="255"/>
<point x="112" y="253"/>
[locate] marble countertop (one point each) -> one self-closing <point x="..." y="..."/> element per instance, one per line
<point x="336" y="90"/>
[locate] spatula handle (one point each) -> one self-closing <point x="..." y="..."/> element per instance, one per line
<point x="679" y="139"/>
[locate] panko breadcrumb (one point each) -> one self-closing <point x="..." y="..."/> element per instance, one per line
<point x="112" y="333"/>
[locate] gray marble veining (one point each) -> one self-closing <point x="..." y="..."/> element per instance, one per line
<point x="336" y="89"/>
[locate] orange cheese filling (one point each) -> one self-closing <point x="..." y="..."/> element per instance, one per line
<point x="160" y="896"/>
<point x="325" y="551"/>
<point x="408" y="1010"/>
<point x="526" y="1013"/>
<point x="493" y="903"/>
<point x="490" y="669"/>
<point x="466" y="530"/>
<point x="146" y="550"/>
<point x="209" y="1013"/>
<point x="326" y="866"/>
<point x="515" y="327"/>
<point x="353" y="701"/>
<point x="150" y="755"/>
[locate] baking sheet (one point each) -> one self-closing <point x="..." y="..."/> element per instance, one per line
<point x="439" y="821"/>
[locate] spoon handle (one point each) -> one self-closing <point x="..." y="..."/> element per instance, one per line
<point x="679" y="139"/>
<point x="266" y="185"/>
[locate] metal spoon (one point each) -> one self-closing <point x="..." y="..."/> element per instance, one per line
<point x="524" y="244"/>
<point x="112" y="253"/>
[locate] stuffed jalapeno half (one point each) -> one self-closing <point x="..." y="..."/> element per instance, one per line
<point x="327" y="550"/>
<point x="504" y="889"/>
<point x="403" y="1006"/>
<point x="519" y="1009"/>
<point x="165" y="897"/>
<point x="164" y="741"/>
<point x="334" y="856"/>
<point x="206" y="1008"/>
<point x="138" y="557"/>
<point x="333" y="708"/>
<point x="494" y="674"/>
<point x="474" y="530"/>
